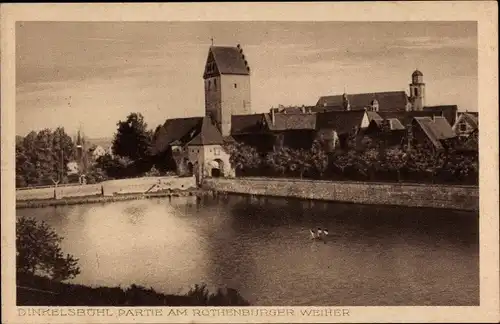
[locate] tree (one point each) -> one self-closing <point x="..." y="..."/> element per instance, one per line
<point x="95" y="174"/>
<point x="42" y="157"/>
<point x="113" y="166"/>
<point x="243" y="157"/>
<point x="39" y="252"/>
<point x="395" y="160"/>
<point x="132" y="139"/>
<point x="300" y="161"/>
<point x="367" y="161"/>
<point x="319" y="158"/>
<point x="279" y="160"/>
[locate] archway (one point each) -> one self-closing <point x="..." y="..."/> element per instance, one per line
<point x="216" y="168"/>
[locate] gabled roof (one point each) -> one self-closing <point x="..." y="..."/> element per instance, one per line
<point x="426" y="125"/>
<point x="284" y="122"/>
<point x="229" y="60"/>
<point x="208" y="134"/>
<point x="179" y="130"/>
<point x="372" y="115"/>
<point x="246" y="124"/>
<point x="340" y="121"/>
<point x="470" y="119"/>
<point x="436" y="129"/>
<point x="387" y="101"/>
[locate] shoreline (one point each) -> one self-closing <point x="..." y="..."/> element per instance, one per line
<point x="95" y="199"/>
<point x="33" y="290"/>
<point x="393" y="194"/>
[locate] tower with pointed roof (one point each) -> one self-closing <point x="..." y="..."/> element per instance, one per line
<point x="227" y="85"/>
<point x="417" y="91"/>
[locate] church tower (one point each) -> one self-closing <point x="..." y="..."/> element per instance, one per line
<point x="417" y="91"/>
<point x="227" y="85"/>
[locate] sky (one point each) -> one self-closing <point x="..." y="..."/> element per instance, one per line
<point x="93" y="74"/>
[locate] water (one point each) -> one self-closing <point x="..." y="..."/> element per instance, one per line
<point x="375" y="255"/>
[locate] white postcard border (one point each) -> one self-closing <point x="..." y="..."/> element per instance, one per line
<point x="485" y="13"/>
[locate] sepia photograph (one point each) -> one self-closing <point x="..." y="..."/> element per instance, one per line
<point x="246" y="164"/>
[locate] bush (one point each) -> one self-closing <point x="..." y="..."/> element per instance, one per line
<point x="39" y="252"/>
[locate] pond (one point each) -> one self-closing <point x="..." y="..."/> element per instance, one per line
<point x="375" y="255"/>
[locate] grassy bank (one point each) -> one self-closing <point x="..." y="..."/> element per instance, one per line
<point x="104" y="199"/>
<point x="41" y="291"/>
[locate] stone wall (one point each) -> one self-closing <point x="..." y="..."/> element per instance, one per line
<point x="411" y="195"/>
<point x="110" y="187"/>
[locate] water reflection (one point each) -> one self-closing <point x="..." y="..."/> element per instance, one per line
<point x="375" y="255"/>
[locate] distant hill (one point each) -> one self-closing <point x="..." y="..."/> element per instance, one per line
<point x="104" y="142"/>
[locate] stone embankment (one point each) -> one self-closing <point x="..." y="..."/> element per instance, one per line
<point x="401" y="194"/>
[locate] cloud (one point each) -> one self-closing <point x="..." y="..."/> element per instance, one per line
<point x="432" y="43"/>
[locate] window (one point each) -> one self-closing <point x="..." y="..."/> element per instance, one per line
<point x="216" y="151"/>
<point x="235" y="86"/>
<point x="209" y="84"/>
<point x="462" y="127"/>
<point x="415" y="91"/>
<point x="215" y="84"/>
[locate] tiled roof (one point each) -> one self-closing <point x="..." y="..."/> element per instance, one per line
<point x="179" y="130"/>
<point x="245" y="124"/>
<point x="436" y="129"/>
<point x="229" y="60"/>
<point x="387" y="101"/>
<point x="208" y="134"/>
<point x="448" y="111"/>
<point x="372" y="115"/>
<point x="341" y="121"/>
<point x="426" y="125"/>
<point x="290" y="121"/>
<point x="443" y="128"/>
<point x="395" y="124"/>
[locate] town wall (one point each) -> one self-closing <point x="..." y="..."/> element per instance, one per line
<point x="410" y="195"/>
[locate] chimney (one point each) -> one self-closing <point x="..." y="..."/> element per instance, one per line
<point x="303" y="108"/>
<point x="272" y="116"/>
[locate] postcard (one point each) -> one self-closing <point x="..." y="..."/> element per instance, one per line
<point x="250" y="162"/>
